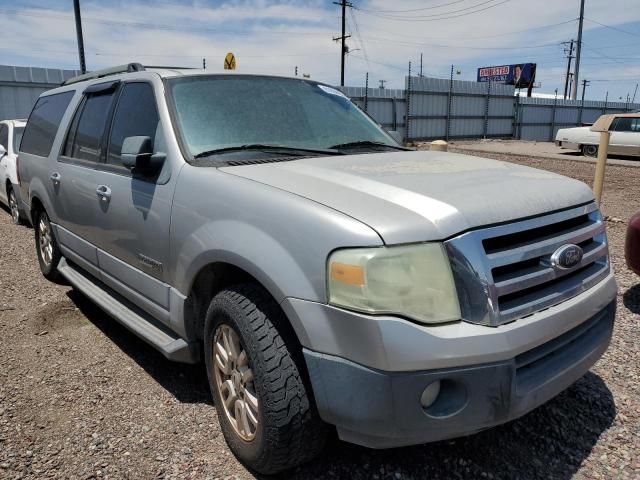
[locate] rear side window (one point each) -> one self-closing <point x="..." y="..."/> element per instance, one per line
<point x="4" y="136"/>
<point x="136" y="115"/>
<point x="44" y="122"/>
<point x="84" y="141"/>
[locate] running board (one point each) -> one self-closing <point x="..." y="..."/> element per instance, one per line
<point x="172" y="347"/>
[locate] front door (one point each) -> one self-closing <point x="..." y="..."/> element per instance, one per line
<point x="133" y="223"/>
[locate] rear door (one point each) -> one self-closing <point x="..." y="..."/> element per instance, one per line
<point x="133" y="224"/>
<point x="625" y="137"/>
<point x="76" y="198"/>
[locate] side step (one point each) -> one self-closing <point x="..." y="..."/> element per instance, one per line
<point x="172" y="347"/>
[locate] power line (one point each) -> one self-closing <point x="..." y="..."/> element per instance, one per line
<point x="423" y="19"/>
<point x="468" y="47"/>
<point x="359" y="37"/>
<point x="413" y="9"/>
<point x="614" y="28"/>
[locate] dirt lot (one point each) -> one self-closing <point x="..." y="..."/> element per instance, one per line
<point x="80" y="397"/>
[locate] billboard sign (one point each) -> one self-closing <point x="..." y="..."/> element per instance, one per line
<point x="522" y="75"/>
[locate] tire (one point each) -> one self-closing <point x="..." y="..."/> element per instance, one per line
<point x="288" y="430"/>
<point x="46" y="246"/>
<point x="13" y="206"/>
<point x="590" y="150"/>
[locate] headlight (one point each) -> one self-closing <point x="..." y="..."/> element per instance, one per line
<point x="414" y="281"/>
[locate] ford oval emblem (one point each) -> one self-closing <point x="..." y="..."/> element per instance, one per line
<point x="567" y="256"/>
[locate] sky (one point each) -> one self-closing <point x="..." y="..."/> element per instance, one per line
<point x="276" y="36"/>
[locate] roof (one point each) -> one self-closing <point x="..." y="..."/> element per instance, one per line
<point x="603" y="124"/>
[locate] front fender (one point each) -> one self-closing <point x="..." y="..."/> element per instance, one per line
<point x="281" y="239"/>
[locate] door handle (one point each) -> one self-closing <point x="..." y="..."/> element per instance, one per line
<point x="55" y="177"/>
<point x="104" y="193"/>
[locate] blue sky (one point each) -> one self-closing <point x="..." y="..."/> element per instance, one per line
<point x="270" y="36"/>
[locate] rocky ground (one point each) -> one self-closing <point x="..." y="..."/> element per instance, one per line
<point x="80" y="397"/>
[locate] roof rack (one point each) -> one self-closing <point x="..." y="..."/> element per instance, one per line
<point x="128" y="68"/>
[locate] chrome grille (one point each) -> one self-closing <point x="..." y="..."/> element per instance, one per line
<point x="505" y="272"/>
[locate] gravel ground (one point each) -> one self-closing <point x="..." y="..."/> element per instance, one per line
<point x="81" y="397"/>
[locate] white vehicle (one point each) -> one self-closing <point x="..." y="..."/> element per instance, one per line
<point x="10" y="136"/>
<point x="625" y="138"/>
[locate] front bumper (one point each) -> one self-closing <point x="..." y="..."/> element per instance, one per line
<point x="380" y="409"/>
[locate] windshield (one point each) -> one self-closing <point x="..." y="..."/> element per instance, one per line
<point x="17" y="137"/>
<point x="216" y="112"/>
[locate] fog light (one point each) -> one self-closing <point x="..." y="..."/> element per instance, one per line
<point x="430" y="394"/>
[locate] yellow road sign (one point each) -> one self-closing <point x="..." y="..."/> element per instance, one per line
<point x="230" y="62"/>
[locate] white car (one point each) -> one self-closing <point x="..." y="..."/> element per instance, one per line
<point x="10" y="136"/>
<point x="625" y="138"/>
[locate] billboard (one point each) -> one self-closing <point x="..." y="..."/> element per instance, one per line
<point x="522" y="75"/>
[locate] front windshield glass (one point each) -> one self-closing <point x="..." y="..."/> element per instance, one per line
<point x="17" y="137"/>
<point x="216" y="112"/>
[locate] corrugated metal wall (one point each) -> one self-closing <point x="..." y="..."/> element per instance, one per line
<point x="441" y="108"/>
<point x="20" y="87"/>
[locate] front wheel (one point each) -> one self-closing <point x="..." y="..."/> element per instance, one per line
<point x="266" y="411"/>
<point x="590" y="150"/>
<point x="46" y="246"/>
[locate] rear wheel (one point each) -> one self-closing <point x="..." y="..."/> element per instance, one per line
<point x="590" y="150"/>
<point x="265" y="409"/>
<point x="13" y="205"/>
<point x="46" y="246"/>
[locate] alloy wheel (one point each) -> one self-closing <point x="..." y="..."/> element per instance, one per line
<point x="44" y="239"/>
<point x="235" y="382"/>
<point x="13" y="205"/>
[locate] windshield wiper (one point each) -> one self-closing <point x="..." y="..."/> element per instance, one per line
<point x="298" y="151"/>
<point x="366" y="143"/>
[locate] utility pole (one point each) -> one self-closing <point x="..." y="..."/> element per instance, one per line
<point x="576" y="78"/>
<point x="296" y="71"/>
<point x="634" y="94"/>
<point x="204" y="63"/>
<point x="585" y="82"/>
<point x="343" y="50"/>
<point x="420" y="64"/>
<point x="569" y="58"/>
<point x="382" y="82"/>
<point x="76" y="11"/>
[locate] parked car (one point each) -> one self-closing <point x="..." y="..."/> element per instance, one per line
<point x="625" y="138"/>
<point x="328" y="277"/>
<point x="632" y="244"/>
<point x="10" y="135"/>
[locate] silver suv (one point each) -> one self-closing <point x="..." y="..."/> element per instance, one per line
<point x="329" y="277"/>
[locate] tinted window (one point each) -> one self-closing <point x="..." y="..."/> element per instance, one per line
<point x="4" y="136"/>
<point x="17" y="136"/>
<point x="627" y="125"/>
<point x="85" y="137"/>
<point x="44" y="122"/>
<point x="136" y="115"/>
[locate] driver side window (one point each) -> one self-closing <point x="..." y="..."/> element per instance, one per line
<point x="136" y="115"/>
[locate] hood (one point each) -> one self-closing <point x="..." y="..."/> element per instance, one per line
<point x="421" y="196"/>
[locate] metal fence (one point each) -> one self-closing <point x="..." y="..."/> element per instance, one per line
<point x="20" y="87"/>
<point x="540" y="118"/>
<point x="455" y="109"/>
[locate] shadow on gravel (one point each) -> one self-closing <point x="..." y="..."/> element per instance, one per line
<point x="188" y="383"/>
<point x="550" y="442"/>
<point x="631" y="299"/>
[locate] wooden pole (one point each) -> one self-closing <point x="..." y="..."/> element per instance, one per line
<point x="598" y="181"/>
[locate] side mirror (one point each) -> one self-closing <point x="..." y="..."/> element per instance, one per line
<point x="137" y="154"/>
<point x="3" y="151"/>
